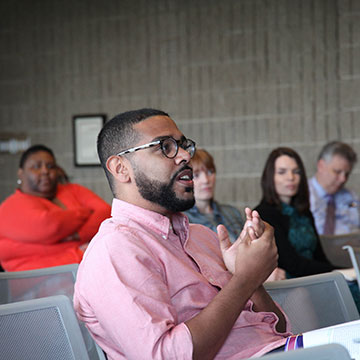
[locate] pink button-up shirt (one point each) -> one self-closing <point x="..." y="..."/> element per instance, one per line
<point x="141" y="279"/>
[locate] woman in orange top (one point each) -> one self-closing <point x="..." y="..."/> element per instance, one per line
<point x="45" y="223"/>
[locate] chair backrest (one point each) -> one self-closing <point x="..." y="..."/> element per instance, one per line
<point x="32" y="284"/>
<point x="315" y="301"/>
<point x="354" y="253"/>
<point x="332" y="246"/>
<point x="323" y="352"/>
<point x="41" y="329"/>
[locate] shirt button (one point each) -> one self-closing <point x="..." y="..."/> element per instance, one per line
<point x="164" y="237"/>
<point x="211" y="279"/>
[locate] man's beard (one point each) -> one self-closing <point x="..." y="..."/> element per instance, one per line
<point x="162" y="193"/>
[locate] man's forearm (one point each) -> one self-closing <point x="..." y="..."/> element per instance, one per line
<point x="263" y="302"/>
<point x="211" y="327"/>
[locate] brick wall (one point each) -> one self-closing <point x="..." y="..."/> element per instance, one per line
<point x="240" y="77"/>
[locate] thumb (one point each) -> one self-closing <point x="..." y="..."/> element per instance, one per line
<point x="223" y="236"/>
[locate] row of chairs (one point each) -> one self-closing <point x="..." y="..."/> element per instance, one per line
<point x="30" y="300"/>
<point x="53" y="320"/>
<point x="41" y="329"/>
<point x="28" y="297"/>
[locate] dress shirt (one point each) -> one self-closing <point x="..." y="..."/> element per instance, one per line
<point x="141" y="279"/>
<point x="347" y="217"/>
<point x="222" y="214"/>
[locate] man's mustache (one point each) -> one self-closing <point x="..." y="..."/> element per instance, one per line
<point x="185" y="167"/>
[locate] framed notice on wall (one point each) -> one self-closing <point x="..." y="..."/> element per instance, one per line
<point x="85" y="131"/>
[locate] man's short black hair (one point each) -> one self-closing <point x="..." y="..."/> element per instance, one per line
<point x="118" y="134"/>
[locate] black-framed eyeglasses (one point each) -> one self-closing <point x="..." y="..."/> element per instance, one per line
<point x="169" y="147"/>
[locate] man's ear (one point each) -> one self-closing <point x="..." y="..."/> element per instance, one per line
<point x="320" y="164"/>
<point x="119" y="168"/>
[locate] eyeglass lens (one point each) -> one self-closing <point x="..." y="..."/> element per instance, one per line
<point x="170" y="147"/>
<point x="189" y="146"/>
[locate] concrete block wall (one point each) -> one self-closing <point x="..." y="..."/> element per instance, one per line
<point x="240" y="77"/>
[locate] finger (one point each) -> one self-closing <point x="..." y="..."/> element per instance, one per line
<point x="244" y="231"/>
<point x="255" y="214"/>
<point x="248" y="213"/>
<point x="247" y="238"/>
<point x="224" y="239"/>
<point x="257" y="219"/>
<point x="248" y="224"/>
<point x="252" y="233"/>
<point x="258" y="226"/>
<point x="258" y="222"/>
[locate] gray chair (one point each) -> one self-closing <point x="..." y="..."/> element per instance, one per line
<point x="354" y="254"/>
<point x="316" y="301"/>
<point x="332" y="246"/>
<point x="32" y="284"/>
<point x="41" y="329"/>
<point x="323" y="352"/>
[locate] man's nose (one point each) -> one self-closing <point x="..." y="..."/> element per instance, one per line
<point x="182" y="156"/>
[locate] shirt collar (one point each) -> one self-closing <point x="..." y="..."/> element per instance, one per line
<point x="194" y="210"/>
<point x="215" y="207"/>
<point x="155" y="221"/>
<point x="319" y="189"/>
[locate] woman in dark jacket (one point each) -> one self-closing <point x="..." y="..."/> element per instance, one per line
<point x="285" y="206"/>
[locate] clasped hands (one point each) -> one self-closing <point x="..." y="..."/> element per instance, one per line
<point x="254" y="253"/>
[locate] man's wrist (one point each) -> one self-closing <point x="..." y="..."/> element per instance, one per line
<point x="245" y="282"/>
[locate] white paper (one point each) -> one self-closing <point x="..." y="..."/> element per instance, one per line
<point x="347" y="335"/>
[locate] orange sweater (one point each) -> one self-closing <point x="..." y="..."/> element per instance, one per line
<point x="32" y="228"/>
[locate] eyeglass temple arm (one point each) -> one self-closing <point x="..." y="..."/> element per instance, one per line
<point x="138" y="148"/>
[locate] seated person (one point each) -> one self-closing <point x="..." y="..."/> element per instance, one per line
<point x="45" y="223"/>
<point x="151" y="286"/>
<point x="210" y="213"/>
<point x="285" y="206"/>
<point x="206" y="210"/>
<point x="335" y="208"/>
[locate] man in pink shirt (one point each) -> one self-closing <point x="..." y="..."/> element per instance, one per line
<point x="150" y="285"/>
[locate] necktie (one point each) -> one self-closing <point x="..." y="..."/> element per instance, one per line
<point x="329" y="225"/>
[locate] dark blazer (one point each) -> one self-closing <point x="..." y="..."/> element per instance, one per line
<point x="289" y="260"/>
